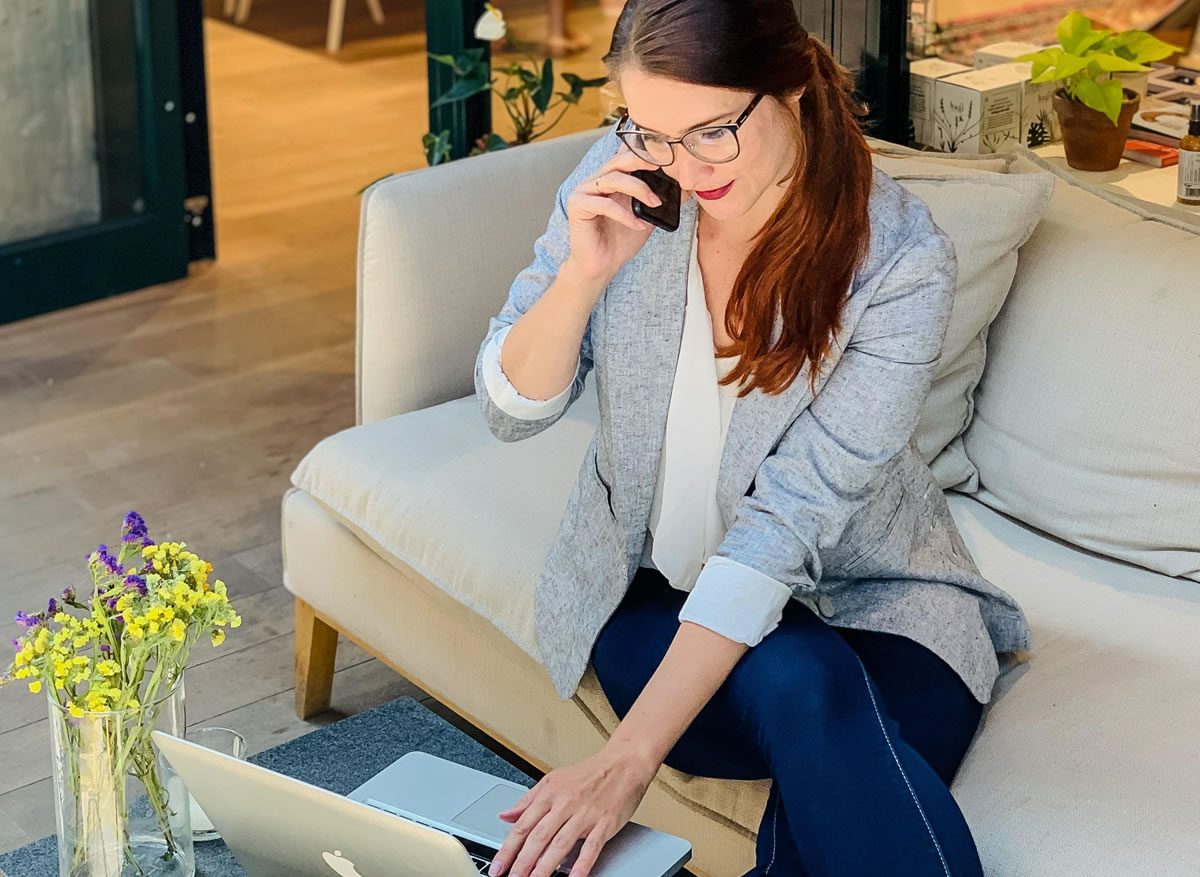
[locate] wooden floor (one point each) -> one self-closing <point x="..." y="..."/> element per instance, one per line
<point x="192" y="402"/>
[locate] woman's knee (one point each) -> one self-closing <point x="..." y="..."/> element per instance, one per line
<point x="798" y="673"/>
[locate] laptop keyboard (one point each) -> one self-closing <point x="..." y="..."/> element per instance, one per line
<point x="481" y="855"/>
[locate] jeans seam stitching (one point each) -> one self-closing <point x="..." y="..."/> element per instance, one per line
<point x="937" y="846"/>
<point x="774" y="832"/>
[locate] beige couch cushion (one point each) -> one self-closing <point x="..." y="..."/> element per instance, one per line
<point x="1088" y="761"/>
<point x="1087" y="419"/>
<point x="988" y="215"/>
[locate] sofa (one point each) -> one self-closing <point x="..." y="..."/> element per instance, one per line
<point x="1064" y="431"/>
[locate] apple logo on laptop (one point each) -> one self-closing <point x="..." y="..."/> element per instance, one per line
<point x="344" y="867"/>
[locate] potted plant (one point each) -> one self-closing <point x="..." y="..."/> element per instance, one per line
<point x="527" y="90"/>
<point x="1093" y="105"/>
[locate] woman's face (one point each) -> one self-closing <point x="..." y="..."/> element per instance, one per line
<point x="670" y="107"/>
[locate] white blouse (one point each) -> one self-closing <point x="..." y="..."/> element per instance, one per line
<point x="685" y="527"/>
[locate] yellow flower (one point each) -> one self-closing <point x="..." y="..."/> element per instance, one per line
<point x="218" y="637"/>
<point x="35" y="686"/>
<point x="178" y="630"/>
<point x="75" y="711"/>
<point x="134" y="629"/>
<point x="148" y="550"/>
<point x="236" y="622"/>
<point x="108" y="668"/>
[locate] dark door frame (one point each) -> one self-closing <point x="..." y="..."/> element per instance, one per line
<point x="148" y="139"/>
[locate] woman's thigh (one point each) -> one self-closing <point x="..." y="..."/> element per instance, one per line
<point x="935" y="712"/>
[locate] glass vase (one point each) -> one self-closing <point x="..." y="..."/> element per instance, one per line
<point x="121" y="809"/>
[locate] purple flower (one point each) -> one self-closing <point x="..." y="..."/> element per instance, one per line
<point x="52" y="608"/>
<point x="26" y="621"/>
<point x="112" y="603"/>
<point x="107" y="560"/>
<point x="105" y="648"/>
<point x="134" y="528"/>
<point x="16" y="645"/>
<point x="147" y="542"/>
<point x="137" y="583"/>
<point x="68" y="595"/>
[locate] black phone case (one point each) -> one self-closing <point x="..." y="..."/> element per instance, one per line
<point x="665" y="216"/>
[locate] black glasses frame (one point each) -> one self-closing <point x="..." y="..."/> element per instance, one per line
<point x="731" y="128"/>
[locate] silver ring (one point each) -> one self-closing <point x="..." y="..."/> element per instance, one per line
<point x="597" y="182"/>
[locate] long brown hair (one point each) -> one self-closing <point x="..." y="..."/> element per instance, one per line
<point x="804" y="257"/>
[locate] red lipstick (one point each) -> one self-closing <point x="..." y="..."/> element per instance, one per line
<point x="714" y="194"/>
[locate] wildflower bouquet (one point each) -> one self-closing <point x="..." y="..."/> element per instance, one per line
<point x="109" y="670"/>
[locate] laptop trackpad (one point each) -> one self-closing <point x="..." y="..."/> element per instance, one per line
<point x="480" y="818"/>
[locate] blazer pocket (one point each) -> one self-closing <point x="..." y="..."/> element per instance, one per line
<point x="603" y="483"/>
<point x="872" y="548"/>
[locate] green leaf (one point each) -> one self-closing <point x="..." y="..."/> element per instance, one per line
<point x="1113" y="64"/>
<point x="568" y="97"/>
<point x="496" y="142"/>
<point x="529" y="79"/>
<point x="437" y="147"/>
<point x="578" y="85"/>
<point x="1072" y="30"/>
<point x="1104" y="97"/>
<point x="462" y="90"/>
<point x="1137" y="45"/>
<point x="448" y="60"/>
<point x="541" y="97"/>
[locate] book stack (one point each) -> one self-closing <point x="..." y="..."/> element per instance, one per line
<point x="1153" y="154"/>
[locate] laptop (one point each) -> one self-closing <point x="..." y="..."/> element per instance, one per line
<point x="421" y="816"/>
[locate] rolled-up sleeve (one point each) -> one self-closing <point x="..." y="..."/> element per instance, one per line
<point x="807" y="490"/>
<point x="506" y="396"/>
<point x="735" y="601"/>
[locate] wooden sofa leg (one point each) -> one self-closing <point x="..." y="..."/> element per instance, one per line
<point x="316" y="648"/>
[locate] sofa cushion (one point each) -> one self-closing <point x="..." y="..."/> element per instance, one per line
<point x="988" y="214"/>
<point x="1087" y="762"/>
<point x="1088" y="414"/>
<point x="472" y="514"/>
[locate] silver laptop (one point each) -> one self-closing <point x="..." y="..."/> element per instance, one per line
<point x="421" y="816"/>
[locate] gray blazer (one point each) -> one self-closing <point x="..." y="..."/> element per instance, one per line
<point x="827" y="494"/>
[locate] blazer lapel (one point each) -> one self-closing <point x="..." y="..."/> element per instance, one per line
<point x="757" y="424"/>
<point x="644" y="311"/>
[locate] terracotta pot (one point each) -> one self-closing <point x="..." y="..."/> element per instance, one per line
<point x="1091" y="141"/>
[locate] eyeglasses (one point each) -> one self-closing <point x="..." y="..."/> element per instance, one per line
<point x="714" y="144"/>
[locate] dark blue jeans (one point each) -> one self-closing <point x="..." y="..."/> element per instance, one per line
<point x="862" y="733"/>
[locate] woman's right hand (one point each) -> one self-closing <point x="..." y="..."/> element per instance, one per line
<point x="603" y="232"/>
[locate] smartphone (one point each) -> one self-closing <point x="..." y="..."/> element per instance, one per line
<point x="666" y="215"/>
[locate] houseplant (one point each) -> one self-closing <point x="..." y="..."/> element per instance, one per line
<point x="526" y="90"/>
<point x="112" y="672"/>
<point x="1092" y="105"/>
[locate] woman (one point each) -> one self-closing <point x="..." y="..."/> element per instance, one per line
<point x="755" y="559"/>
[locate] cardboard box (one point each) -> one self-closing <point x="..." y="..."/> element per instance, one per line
<point x="978" y="112"/>
<point x="1039" y="122"/>
<point x="922" y="76"/>
<point x="1003" y="53"/>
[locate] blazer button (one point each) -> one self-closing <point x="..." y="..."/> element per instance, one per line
<point x="826" y="606"/>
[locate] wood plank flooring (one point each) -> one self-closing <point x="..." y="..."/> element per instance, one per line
<point x="193" y="401"/>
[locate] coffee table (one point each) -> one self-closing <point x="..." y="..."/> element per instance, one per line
<point x="339" y="757"/>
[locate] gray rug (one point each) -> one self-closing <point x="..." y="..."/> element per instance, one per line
<point x="339" y="757"/>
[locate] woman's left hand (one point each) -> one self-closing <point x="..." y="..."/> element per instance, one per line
<point x="592" y="799"/>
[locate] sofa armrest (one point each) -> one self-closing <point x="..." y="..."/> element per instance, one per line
<point x="438" y="250"/>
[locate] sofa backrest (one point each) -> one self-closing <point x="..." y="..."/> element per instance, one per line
<point x="438" y="249"/>
<point x="1087" y="418"/>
